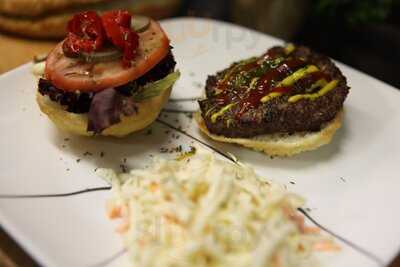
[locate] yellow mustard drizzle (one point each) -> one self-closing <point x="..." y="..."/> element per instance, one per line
<point x="270" y="96"/>
<point x="289" y="48"/>
<point x="319" y="83"/>
<point x="209" y="111"/>
<point x="290" y="80"/>
<point x="221" y="112"/>
<point x="297" y="75"/>
<point x="331" y="85"/>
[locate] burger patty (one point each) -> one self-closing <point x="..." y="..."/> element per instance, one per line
<point x="233" y="107"/>
<point x="78" y="102"/>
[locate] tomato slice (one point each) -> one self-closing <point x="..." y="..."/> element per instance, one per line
<point x="71" y="74"/>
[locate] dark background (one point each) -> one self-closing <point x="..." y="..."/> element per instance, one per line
<point x="364" y="34"/>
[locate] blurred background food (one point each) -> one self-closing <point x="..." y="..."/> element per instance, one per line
<point x="362" y="33"/>
<point x="48" y="18"/>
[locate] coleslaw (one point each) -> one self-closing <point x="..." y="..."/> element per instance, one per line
<point x="202" y="211"/>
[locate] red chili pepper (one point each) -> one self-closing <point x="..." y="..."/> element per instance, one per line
<point x="117" y="25"/>
<point x="85" y="34"/>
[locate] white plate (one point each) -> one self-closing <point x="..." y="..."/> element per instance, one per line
<point x="352" y="185"/>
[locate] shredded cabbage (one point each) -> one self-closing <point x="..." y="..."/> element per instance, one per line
<point x="201" y="211"/>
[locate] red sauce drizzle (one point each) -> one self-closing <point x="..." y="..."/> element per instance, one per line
<point x="273" y="53"/>
<point x="249" y="66"/>
<point x="264" y="85"/>
<point x="222" y="85"/>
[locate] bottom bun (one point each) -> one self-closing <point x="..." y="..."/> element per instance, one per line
<point x="281" y="144"/>
<point x="148" y="112"/>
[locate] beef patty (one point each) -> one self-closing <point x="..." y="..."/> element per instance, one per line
<point x="286" y="90"/>
<point x="79" y="102"/>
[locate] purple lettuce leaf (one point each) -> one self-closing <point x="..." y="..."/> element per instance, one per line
<point x="107" y="108"/>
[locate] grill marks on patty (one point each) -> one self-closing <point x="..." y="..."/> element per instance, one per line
<point x="277" y="115"/>
<point x="77" y="102"/>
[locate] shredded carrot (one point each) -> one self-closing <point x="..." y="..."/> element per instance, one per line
<point x="311" y="230"/>
<point x="326" y="245"/>
<point x="154" y="186"/>
<point x="299" y="221"/>
<point x="113" y="211"/>
<point x="123" y="227"/>
<point x="276" y="261"/>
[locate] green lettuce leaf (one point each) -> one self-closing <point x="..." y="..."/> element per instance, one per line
<point x="156" y="88"/>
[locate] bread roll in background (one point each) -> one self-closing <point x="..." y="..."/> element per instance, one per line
<point x="47" y="19"/>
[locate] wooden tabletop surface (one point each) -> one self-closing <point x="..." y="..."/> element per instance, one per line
<point x="14" y="52"/>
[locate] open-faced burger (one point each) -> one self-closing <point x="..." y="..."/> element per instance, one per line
<point x="287" y="101"/>
<point x="110" y="76"/>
